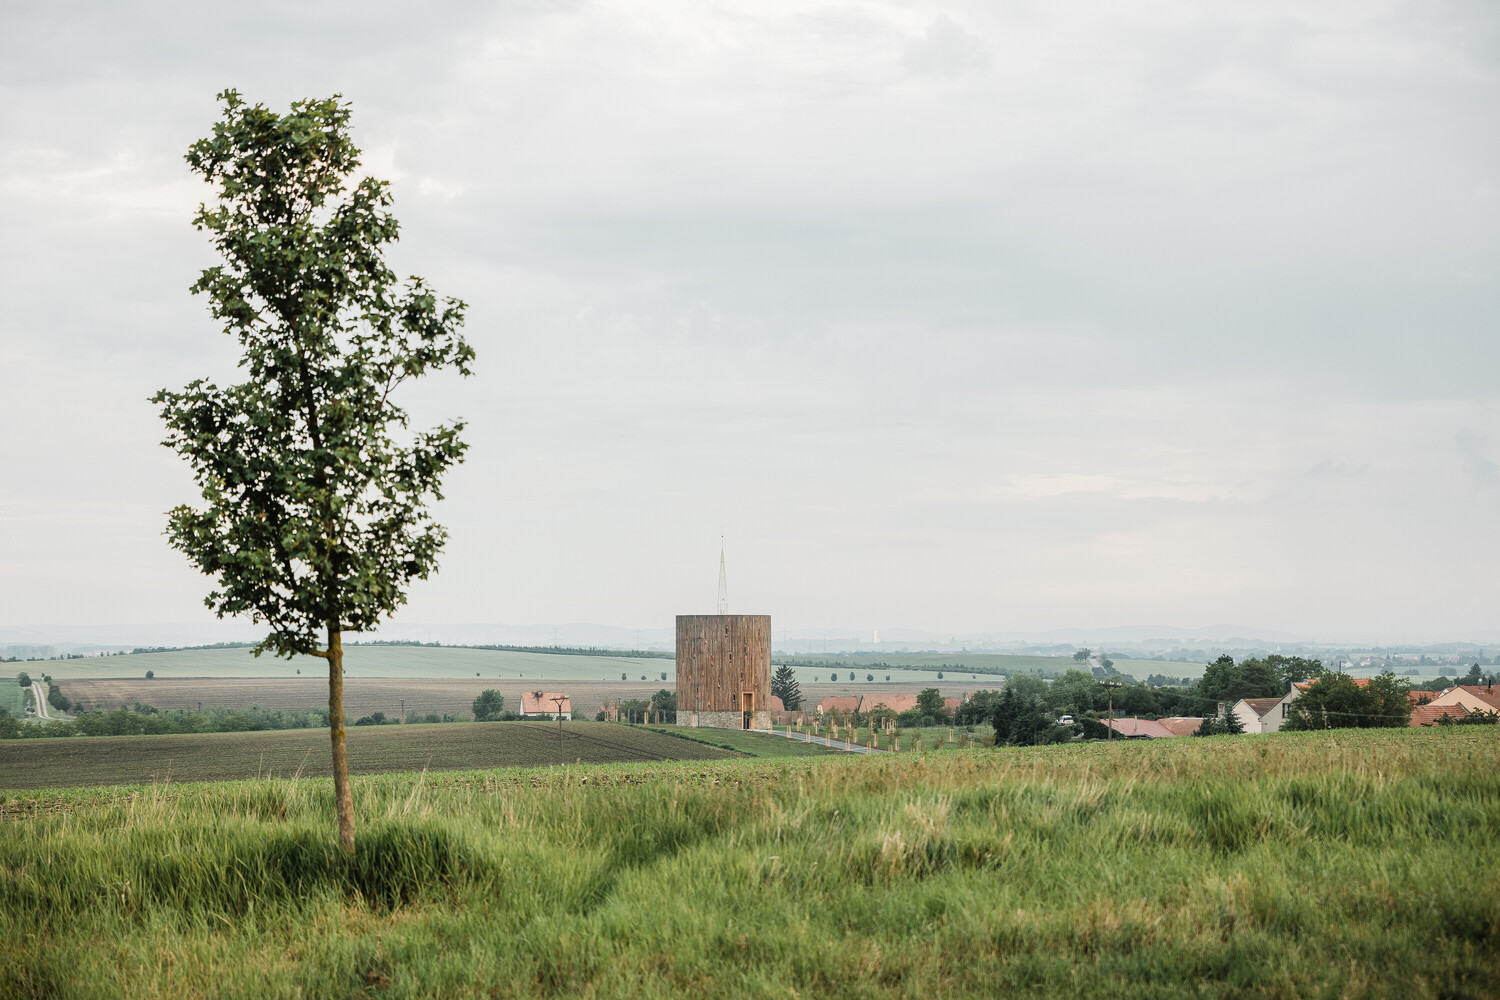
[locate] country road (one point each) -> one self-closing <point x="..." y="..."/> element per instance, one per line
<point x="822" y="740"/>
<point x="41" y="700"/>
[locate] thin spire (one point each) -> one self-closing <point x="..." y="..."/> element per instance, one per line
<point x="723" y="581"/>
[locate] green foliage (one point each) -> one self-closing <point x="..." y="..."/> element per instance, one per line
<point x="376" y="719"/>
<point x="1336" y="701"/>
<point x="978" y="709"/>
<point x="24" y="679"/>
<point x="1228" y="724"/>
<point x="489" y="705"/>
<point x="1082" y="656"/>
<point x="1472" y="719"/>
<point x="1093" y="729"/>
<point x="784" y="686"/>
<point x="1075" y="691"/>
<point x="930" y="704"/>
<point x="664" y="701"/>
<point x="315" y="494"/>
<point x="150" y="674"/>
<point x="56" y="698"/>
<point x="1227" y="681"/>
<point x="144" y="720"/>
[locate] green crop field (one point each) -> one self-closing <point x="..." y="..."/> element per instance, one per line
<point x="133" y="760"/>
<point x="1348" y="864"/>
<point x="360" y="661"/>
<point x="12" y="696"/>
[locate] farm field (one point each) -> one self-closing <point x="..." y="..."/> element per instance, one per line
<point x="362" y="695"/>
<point x="12" y="696"/>
<point x="139" y="760"/>
<point x="1291" y="865"/>
<point x="360" y="661"/>
<point x="365" y="695"/>
<point x="423" y="662"/>
<point x="749" y="744"/>
<point x="980" y="664"/>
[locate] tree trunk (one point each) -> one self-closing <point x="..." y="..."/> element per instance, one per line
<point x="343" y="795"/>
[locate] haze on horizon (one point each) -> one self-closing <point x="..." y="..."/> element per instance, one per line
<point x="953" y="317"/>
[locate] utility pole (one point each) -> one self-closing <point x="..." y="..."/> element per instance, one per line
<point x="558" y="700"/>
<point x="403" y="711"/>
<point x="1111" y="685"/>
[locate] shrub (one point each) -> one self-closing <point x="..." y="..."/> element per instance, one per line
<point x="150" y="674"/>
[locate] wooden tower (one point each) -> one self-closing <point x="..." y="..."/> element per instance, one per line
<point x="724" y="671"/>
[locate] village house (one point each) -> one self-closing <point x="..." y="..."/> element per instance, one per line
<point x="1263" y="715"/>
<point x="1472" y="697"/>
<point x="546" y="705"/>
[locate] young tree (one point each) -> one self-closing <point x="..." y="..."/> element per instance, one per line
<point x="488" y="706"/>
<point x="930" y="704"/>
<point x="315" y="493"/>
<point x="664" y="701"/>
<point x="784" y="686"/>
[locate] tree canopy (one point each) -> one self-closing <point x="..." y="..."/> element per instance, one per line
<point x="315" y="492"/>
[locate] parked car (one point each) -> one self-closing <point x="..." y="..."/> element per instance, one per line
<point x="1065" y="720"/>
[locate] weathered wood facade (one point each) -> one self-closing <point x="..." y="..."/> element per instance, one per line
<point x="724" y="671"/>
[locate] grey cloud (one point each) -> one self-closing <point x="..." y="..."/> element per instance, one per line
<point x="858" y="283"/>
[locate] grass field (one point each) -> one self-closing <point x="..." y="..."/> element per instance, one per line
<point x="12" y="696"/>
<point x="132" y="760"/>
<point x="1330" y="865"/>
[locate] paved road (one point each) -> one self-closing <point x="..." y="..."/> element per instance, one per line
<point x="40" y="694"/>
<point x="822" y="740"/>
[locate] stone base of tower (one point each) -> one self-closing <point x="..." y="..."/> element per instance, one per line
<point x="724" y="720"/>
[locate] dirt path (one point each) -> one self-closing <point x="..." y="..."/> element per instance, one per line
<point x="41" y="701"/>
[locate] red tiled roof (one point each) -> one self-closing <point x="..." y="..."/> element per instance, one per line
<point x="1418" y="697"/>
<point x="1139" y="727"/>
<point x="1485" y="693"/>
<point x="897" y="703"/>
<point x="1428" y="715"/>
<point x="1358" y="682"/>
<point x="1181" y="725"/>
<point x="541" y="702"/>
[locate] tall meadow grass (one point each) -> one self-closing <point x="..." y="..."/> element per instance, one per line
<point x="1292" y="865"/>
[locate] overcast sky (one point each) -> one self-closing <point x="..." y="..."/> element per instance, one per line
<point x="960" y="317"/>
